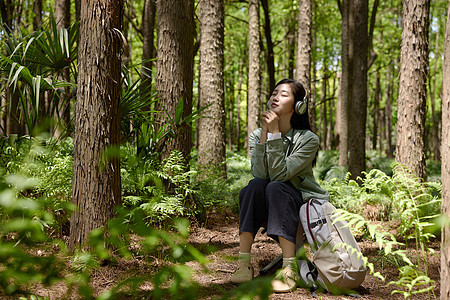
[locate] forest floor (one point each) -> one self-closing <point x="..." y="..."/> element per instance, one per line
<point x="218" y="241"/>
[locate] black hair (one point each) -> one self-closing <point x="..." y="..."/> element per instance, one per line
<point x="297" y="121"/>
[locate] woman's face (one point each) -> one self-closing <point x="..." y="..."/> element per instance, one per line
<point x="282" y="100"/>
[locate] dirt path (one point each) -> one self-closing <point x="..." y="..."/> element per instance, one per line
<point x="222" y="235"/>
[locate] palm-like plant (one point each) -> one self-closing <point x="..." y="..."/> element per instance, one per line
<point x="32" y="65"/>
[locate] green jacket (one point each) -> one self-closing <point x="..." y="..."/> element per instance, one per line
<point x="273" y="162"/>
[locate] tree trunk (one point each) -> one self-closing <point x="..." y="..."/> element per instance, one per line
<point x="358" y="100"/>
<point x="77" y="10"/>
<point x="148" y="48"/>
<point x="270" y="55"/>
<point x="324" y="121"/>
<point x="174" y="66"/>
<point x="37" y="10"/>
<point x="211" y="130"/>
<point x="96" y="175"/>
<point x="445" y="167"/>
<point x="238" y="113"/>
<point x="254" y="66"/>
<point x="388" y="113"/>
<point x="230" y="136"/>
<point x="62" y="13"/>
<point x="329" y="136"/>
<point x="411" y="104"/>
<point x="291" y="47"/>
<point x="7" y="14"/>
<point x="345" y="84"/>
<point x="435" y="116"/>
<point x="376" y="111"/>
<point x="303" y="70"/>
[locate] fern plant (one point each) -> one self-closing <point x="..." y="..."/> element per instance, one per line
<point x="414" y="204"/>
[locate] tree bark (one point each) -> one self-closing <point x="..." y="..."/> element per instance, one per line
<point x="345" y="84"/>
<point x="411" y="104"/>
<point x="96" y="175"/>
<point x="238" y="113"/>
<point x="291" y="46"/>
<point x="148" y="47"/>
<point x="62" y="13"/>
<point x="358" y="100"/>
<point x="324" y="121"/>
<point x="329" y="137"/>
<point x="7" y="14"/>
<point x="254" y="66"/>
<point x="388" y="113"/>
<point x="303" y="66"/>
<point x="445" y="167"/>
<point x="435" y="115"/>
<point x="270" y="56"/>
<point x="211" y="130"/>
<point x="174" y="66"/>
<point x="376" y="111"/>
<point x="37" y="10"/>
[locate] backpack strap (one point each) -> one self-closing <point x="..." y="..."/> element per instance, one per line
<point x="318" y="222"/>
<point x="308" y="219"/>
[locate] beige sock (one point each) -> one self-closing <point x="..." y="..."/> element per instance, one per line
<point x="289" y="262"/>
<point x="244" y="256"/>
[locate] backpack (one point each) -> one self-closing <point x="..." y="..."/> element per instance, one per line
<point x="338" y="270"/>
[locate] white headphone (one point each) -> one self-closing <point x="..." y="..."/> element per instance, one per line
<point x="300" y="106"/>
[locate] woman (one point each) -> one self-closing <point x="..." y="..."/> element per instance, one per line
<point x="282" y="154"/>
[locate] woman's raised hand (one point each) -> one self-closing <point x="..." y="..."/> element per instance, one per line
<point x="270" y="121"/>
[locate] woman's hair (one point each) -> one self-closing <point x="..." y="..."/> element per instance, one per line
<point x="297" y="121"/>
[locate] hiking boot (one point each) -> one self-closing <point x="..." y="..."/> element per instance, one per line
<point x="285" y="281"/>
<point x="243" y="273"/>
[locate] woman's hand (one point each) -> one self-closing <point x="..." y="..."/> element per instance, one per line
<point x="270" y="121"/>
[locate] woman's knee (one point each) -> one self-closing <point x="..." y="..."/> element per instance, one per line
<point x="275" y="187"/>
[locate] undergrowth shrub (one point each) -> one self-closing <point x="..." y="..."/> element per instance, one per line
<point x="412" y="204"/>
<point x="30" y="256"/>
<point x="215" y="191"/>
<point x="161" y="189"/>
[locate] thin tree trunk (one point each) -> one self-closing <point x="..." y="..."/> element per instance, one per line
<point x="270" y="56"/>
<point x="411" y="104"/>
<point x="254" y="73"/>
<point x="7" y="14"/>
<point x="358" y="100"/>
<point x="291" y="46"/>
<point x="324" y="121"/>
<point x="345" y="84"/>
<point x="445" y="167"/>
<point x="174" y="66"/>
<point x="77" y="9"/>
<point x="329" y="136"/>
<point x="304" y="41"/>
<point x="37" y="10"/>
<point x="435" y="117"/>
<point x="376" y="111"/>
<point x="96" y="175"/>
<point x="211" y="130"/>
<point x="230" y="135"/>
<point x="148" y="48"/>
<point x="238" y="113"/>
<point x="388" y="113"/>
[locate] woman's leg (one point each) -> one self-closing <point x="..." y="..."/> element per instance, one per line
<point x="252" y="206"/>
<point x="284" y="201"/>
<point x="252" y="213"/>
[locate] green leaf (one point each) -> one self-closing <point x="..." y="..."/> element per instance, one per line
<point x="179" y="111"/>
